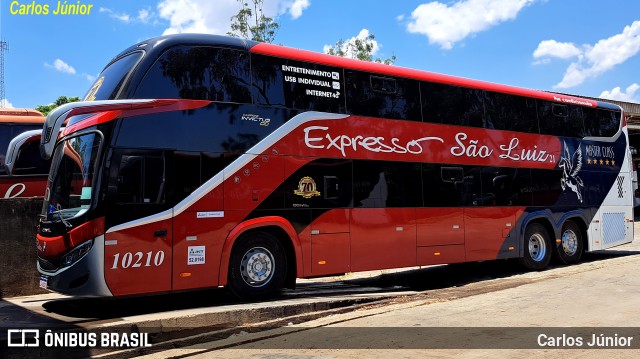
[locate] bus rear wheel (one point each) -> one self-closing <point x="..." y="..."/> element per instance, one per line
<point x="537" y="247"/>
<point x="257" y="266"/>
<point x="570" y="247"/>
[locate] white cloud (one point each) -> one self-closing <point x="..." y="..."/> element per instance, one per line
<point x="214" y="17"/>
<point x="348" y="44"/>
<point x="629" y="95"/>
<point x="445" y="25"/>
<point x="144" y="15"/>
<point x="61" y="66"/>
<point x="603" y="56"/>
<point x="4" y="103"/>
<point x="295" y="9"/>
<point x="124" y="17"/>
<point x="202" y="16"/>
<point x="90" y="78"/>
<point x="552" y="48"/>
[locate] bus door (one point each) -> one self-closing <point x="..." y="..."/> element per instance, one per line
<point x="319" y="191"/>
<point x="139" y="231"/>
<point x="492" y="196"/>
<point x="383" y="222"/>
<point x="441" y="221"/>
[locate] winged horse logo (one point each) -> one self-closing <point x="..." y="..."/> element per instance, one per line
<point x="571" y="165"/>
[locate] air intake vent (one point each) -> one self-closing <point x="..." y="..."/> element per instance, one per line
<point x="613" y="225"/>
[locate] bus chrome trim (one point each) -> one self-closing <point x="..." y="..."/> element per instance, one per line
<point x="167" y="214"/>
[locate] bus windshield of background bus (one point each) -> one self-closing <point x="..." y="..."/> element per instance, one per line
<point x="111" y="79"/>
<point x="7" y="132"/>
<point x="69" y="192"/>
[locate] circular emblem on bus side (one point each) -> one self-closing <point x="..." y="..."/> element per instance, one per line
<point x="307" y="188"/>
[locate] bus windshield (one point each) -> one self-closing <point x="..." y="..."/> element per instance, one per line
<point x="74" y="162"/>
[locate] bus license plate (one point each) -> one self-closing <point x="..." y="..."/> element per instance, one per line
<point x="43" y="282"/>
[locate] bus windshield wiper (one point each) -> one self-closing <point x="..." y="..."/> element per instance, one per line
<point x="59" y="211"/>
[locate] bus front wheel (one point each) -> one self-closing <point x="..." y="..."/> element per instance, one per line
<point x="537" y="247"/>
<point x="569" y="249"/>
<point x="257" y="266"/>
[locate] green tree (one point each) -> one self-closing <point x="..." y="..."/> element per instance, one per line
<point x="45" y="109"/>
<point x="359" y="48"/>
<point x="263" y="29"/>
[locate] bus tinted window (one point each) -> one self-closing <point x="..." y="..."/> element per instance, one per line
<point x="141" y="179"/>
<point x="187" y="166"/>
<point x="29" y="161"/>
<point x="609" y="122"/>
<point x="511" y="113"/>
<point x="296" y="84"/>
<point x="385" y="97"/>
<point x="560" y="120"/>
<point x="111" y="80"/>
<point x="332" y="179"/>
<point x="442" y="185"/>
<point x="200" y="73"/>
<point x="7" y="133"/>
<point x="506" y="186"/>
<point x="380" y="184"/>
<point x="452" y="105"/>
<point x="546" y="189"/>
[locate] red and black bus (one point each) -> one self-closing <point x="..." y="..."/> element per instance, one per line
<point x="26" y="174"/>
<point x="199" y="161"/>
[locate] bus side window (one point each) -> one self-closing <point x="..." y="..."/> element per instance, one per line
<point x="503" y="186"/>
<point x="442" y="185"/>
<point x="473" y="195"/>
<point x="141" y="179"/>
<point x="199" y="73"/>
<point x="600" y="122"/>
<point x="296" y="84"/>
<point x="452" y="105"/>
<point x="381" y="184"/>
<point x="609" y="122"/>
<point x="384" y="97"/>
<point x="511" y="113"/>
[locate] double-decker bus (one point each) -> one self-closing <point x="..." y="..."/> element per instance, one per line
<point x="27" y="175"/>
<point x="199" y="161"/>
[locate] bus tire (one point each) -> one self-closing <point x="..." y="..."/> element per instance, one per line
<point x="537" y="247"/>
<point x="570" y="247"/>
<point x="257" y="266"/>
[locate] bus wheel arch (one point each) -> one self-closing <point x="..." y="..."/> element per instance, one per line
<point x="537" y="245"/>
<point x="277" y="229"/>
<point x="572" y="243"/>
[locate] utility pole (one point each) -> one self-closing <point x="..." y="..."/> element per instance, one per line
<point x="3" y="47"/>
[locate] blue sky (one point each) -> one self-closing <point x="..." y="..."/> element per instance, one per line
<point x="589" y="48"/>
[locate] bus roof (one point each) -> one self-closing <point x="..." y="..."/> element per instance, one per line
<point x="21" y="115"/>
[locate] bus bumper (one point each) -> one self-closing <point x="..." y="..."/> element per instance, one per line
<point x="83" y="278"/>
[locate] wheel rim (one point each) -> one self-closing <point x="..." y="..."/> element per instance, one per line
<point x="569" y="242"/>
<point x="257" y="266"/>
<point x="537" y="247"/>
